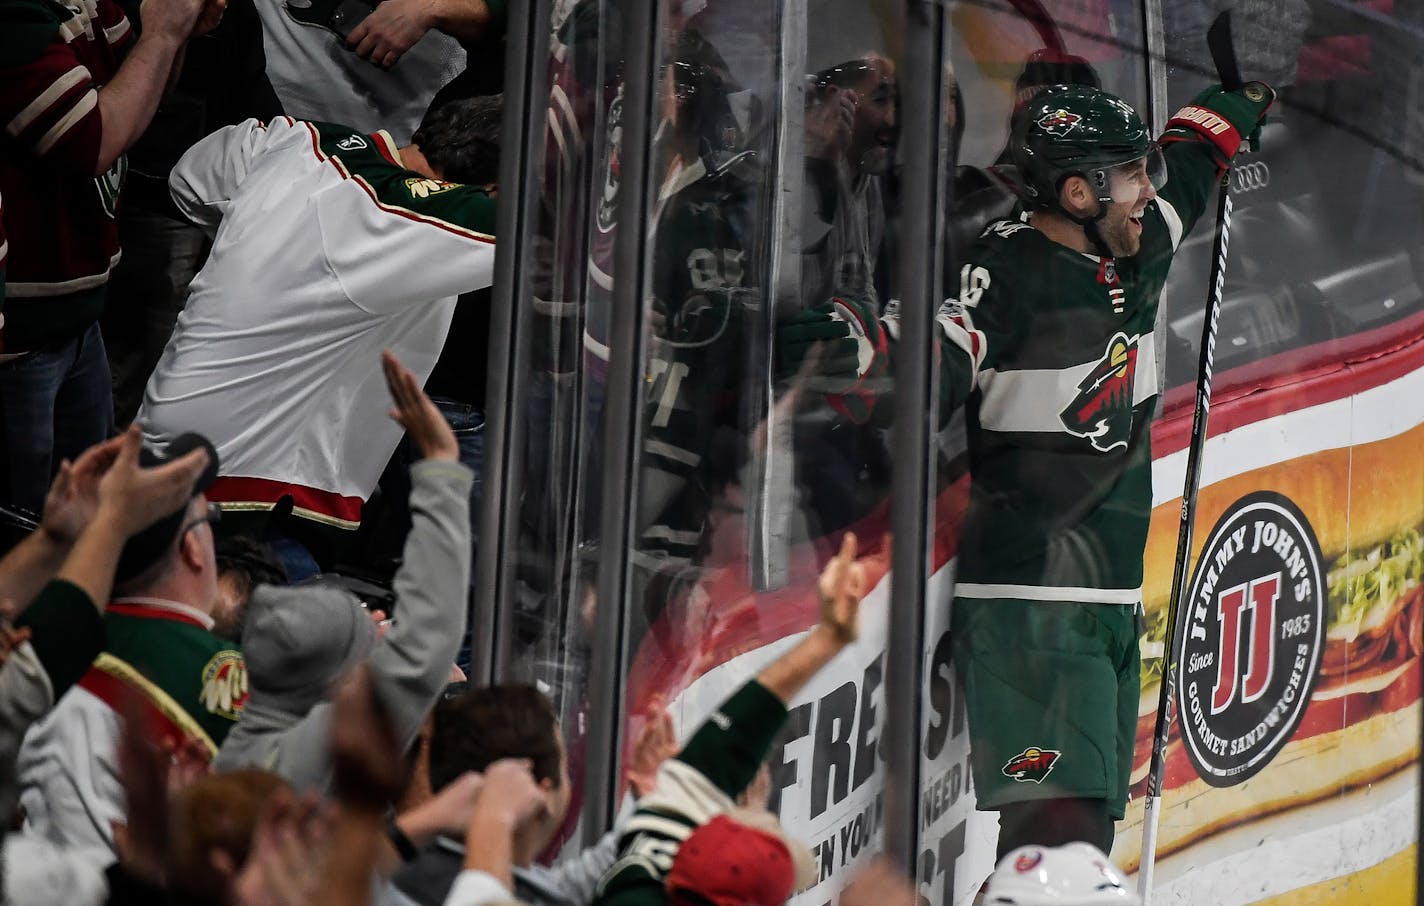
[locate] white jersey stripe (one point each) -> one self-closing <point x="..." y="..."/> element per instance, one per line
<point x="1065" y="594"/>
<point x="668" y="451"/>
<point x="36" y="290"/>
<point x="1173" y="220"/>
<point x="81" y="109"/>
<point x="1033" y="399"/>
<point x="117" y="33"/>
<point x="47" y="99"/>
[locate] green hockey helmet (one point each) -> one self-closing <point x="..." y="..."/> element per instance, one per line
<point x="1078" y="130"/>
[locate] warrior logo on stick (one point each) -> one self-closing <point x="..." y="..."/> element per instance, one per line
<point x="1102" y="410"/>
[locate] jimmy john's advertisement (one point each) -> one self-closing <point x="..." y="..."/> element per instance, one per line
<point x="1297" y="737"/>
<point x="1253" y="635"/>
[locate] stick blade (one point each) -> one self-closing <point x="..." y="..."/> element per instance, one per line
<point x="1223" y="51"/>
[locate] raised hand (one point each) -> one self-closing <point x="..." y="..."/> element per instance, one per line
<point x="172" y="20"/>
<point x="447" y="812"/>
<point x="73" y="498"/>
<point x="136" y="497"/>
<point x="830" y="118"/>
<point x="210" y="17"/>
<point x="510" y="793"/>
<point x="417" y="414"/>
<point x="841" y="586"/>
<point x="655" y="744"/>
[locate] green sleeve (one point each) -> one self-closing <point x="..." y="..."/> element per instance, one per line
<point x="729" y="748"/>
<point x="1192" y="178"/>
<point x="954" y="383"/>
<point x="66" y="632"/>
<point x="981" y="326"/>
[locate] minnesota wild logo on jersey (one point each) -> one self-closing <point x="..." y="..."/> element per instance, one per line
<point x="1102" y="410"/>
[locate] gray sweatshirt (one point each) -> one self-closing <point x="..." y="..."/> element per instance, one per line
<point x="410" y="665"/>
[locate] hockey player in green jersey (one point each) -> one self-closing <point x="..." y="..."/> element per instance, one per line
<point x="1049" y="346"/>
<point x="723" y="756"/>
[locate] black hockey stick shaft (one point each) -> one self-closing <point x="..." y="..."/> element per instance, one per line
<point x="1223" y="55"/>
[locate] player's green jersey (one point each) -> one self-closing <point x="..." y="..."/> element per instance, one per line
<point x="1057" y="371"/>
<point x="700" y="783"/>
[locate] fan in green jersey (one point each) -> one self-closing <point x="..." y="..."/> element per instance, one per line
<point x="700" y="784"/>
<point x="1049" y="345"/>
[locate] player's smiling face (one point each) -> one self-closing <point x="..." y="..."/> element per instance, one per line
<point x="1121" y="226"/>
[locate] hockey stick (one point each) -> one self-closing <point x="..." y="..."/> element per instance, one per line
<point x="1223" y="55"/>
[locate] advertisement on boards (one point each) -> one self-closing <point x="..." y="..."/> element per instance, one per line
<point x="1298" y="740"/>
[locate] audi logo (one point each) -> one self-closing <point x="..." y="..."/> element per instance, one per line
<point x="1251" y="176"/>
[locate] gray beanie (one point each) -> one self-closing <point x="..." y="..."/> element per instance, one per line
<point x="299" y="640"/>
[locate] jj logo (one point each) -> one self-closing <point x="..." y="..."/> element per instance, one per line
<point x="1254" y="634"/>
<point x="1254" y="601"/>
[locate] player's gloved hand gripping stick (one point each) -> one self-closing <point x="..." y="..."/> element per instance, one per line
<point x="1222" y="117"/>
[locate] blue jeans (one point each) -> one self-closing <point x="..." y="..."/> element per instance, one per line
<point x="468" y="423"/>
<point x="147" y="291"/>
<point x="55" y="403"/>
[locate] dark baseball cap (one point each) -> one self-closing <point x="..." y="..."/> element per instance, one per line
<point x="144" y="549"/>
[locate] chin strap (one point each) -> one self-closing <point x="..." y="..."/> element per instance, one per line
<point x="1090" y="227"/>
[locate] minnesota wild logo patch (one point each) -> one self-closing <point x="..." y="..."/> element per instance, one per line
<point x="225" y="684"/>
<point x="1059" y="122"/>
<point x="1102" y="410"/>
<point x="1032" y="765"/>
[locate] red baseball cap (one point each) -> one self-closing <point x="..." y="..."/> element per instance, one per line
<point x="727" y="863"/>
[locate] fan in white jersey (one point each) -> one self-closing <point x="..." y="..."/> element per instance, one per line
<point x="330" y="245"/>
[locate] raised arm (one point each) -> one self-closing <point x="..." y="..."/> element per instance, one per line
<point x="729" y="748"/>
<point x="841" y="586"/>
<point x="410" y="665"/>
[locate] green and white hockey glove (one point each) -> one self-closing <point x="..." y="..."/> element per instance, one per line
<point x="815" y="332"/>
<point x="1223" y="119"/>
<point x="853" y="368"/>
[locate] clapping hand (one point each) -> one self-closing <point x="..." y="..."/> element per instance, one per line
<point x="74" y="496"/>
<point x="137" y="497"/>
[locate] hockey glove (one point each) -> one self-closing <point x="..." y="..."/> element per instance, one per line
<point x="816" y="333"/>
<point x="1222" y="118"/>
<point x="852" y="371"/>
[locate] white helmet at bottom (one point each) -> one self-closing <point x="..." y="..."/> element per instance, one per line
<point x="1077" y="874"/>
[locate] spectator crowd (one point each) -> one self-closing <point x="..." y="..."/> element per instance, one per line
<point x="246" y="248"/>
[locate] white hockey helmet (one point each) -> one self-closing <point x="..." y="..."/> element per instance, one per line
<point x="1074" y="875"/>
